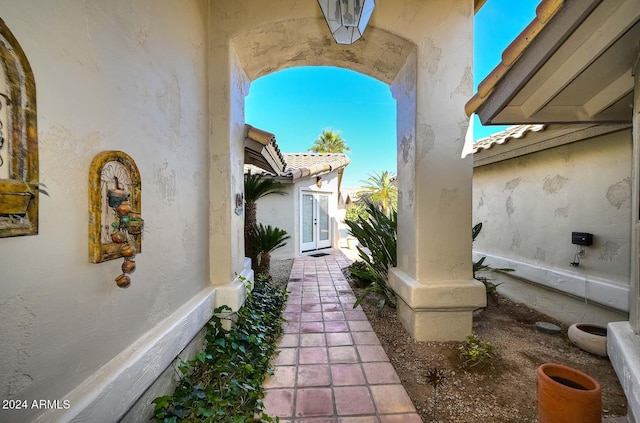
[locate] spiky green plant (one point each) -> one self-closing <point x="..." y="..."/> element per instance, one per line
<point x="479" y="265"/>
<point x="255" y="187"/>
<point x="266" y="239"/>
<point x="377" y="233"/>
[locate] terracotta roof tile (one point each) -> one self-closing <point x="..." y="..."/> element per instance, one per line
<point x="544" y="12"/>
<point x="518" y="131"/>
<point x="300" y="165"/>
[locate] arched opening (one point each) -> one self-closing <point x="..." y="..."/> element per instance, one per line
<point x="297" y="105"/>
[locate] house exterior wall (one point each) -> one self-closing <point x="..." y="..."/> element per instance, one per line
<point x="284" y="212"/>
<point x="116" y="75"/>
<point x="530" y="204"/>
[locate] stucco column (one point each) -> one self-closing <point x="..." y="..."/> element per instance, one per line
<point x="228" y="87"/>
<point x="433" y="281"/>
<point x="634" y="294"/>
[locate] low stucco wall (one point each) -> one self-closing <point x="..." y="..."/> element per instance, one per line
<point x="128" y="76"/>
<point x="530" y="204"/>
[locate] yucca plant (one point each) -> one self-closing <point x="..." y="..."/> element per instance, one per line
<point x="255" y="187"/>
<point x="377" y="233"/>
<point x="479" y="265"/>
<point x="264" y="240"/>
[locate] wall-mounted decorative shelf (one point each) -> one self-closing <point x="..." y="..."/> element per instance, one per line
<point x="19" y="182"/>
<point x="113" y="172"/>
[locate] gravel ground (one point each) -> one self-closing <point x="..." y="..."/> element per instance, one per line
<point x="280" y="270"/>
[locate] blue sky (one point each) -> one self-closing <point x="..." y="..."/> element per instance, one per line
<point x="297" y="104"/>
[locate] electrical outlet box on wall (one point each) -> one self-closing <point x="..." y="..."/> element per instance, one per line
<point x="581" y="238"/>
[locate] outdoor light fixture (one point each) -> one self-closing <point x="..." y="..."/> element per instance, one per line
<point x="347" y="19"/>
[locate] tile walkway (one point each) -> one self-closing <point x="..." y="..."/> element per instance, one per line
<point x="331" y="367"/>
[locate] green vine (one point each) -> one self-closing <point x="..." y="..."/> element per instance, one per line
<point x="223" y="383"/>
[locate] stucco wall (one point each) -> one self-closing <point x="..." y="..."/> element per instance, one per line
<point x="530" y="204"/>
<point x="117" y="75"/>
<point x="284" y="212"/>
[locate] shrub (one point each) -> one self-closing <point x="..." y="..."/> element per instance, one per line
<point x="377" y="233"/>
<point x="474" y="351"/>
<point x="355" y="211"/>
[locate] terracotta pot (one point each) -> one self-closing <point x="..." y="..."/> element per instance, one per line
<point x="118" y="237"/>
<point x="128" y="250"/>
<point x="123" y="209"/>
<point x="591" y="338"/>
<point x="123" y="281"/>
<point x="134" y="226"/>
<point x="566" y="395"/>
<point x="128" y="266"/>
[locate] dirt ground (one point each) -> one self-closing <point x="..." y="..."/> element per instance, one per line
<point x="503" y="390"/>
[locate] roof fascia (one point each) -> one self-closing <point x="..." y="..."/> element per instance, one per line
<point x="533" y="57"/>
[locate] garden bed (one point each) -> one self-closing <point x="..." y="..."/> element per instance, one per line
<point x="503" y="389"/>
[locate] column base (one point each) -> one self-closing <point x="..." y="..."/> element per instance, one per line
<point x="437" y="310"/>
<point x="234" y="293"/>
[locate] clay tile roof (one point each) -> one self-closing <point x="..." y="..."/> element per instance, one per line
<point x="544" y="12"/>
<point x="261" y="150"/>
<point x="300" y="165"/>
<point x="518" y="131"/>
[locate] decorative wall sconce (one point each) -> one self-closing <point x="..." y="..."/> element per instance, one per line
<point x="239" y="204"/>
<point x="347" y="19"/>
<point x="319" y="182"/>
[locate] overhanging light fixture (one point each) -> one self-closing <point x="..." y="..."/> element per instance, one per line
<point x="347" y="19"/>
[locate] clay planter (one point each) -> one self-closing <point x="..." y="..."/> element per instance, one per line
<point x="566" y="395"/>
<point x="591" y="338"/>
<point x="128" y="250"/>
<point x="118" y="237"/>
<point x="116" y="197"/>
<point x="135" y="225"/>
<point x="123" y="281"/>
<point x="128" y="266"/>
<point x="123" y="209"/>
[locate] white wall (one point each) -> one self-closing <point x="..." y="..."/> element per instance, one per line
<point x="117" y="75"/>
<point x="284" y="212"/>
<point x="530" y="204"/>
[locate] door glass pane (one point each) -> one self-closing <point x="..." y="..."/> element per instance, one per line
<point x="307" y="218"/>
<point x="323" y="217"/>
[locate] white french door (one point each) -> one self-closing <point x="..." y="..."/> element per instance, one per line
<point x="315" y="226"/>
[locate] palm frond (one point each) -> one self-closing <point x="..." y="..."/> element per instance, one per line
<point x="257" y="186"/>
<point x="267" y="238"/>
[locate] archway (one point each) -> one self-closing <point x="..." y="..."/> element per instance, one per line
<point x="423" y="51"/>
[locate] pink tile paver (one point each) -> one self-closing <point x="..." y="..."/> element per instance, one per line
<point x="331" y="368"/>
<point x="353" y="400"/>
<point x="314" y="402"/>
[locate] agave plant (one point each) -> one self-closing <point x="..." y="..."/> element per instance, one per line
<point x="264" y="240"/>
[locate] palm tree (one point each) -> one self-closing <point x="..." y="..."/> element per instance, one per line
<point x="256" y="187"/>
<point x="329" y="142"/>
<point x="264" y="240"/>
<point x="380" y="189"/>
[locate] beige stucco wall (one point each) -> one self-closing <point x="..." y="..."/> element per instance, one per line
<point x="284" y="211"/>
<point x="117" y="75"/>
<point x="530" y="204"/>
